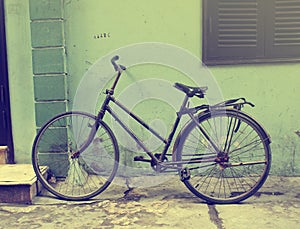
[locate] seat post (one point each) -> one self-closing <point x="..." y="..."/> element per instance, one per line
<point x="183" y="105"/>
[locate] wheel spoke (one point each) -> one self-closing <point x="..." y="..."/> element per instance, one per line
<point x="83" y="176"/>
<point x="245" y="149"/>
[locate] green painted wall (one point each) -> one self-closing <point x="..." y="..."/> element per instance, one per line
<point x="126" y="22"/>
<point x="275" y="91"/>
<point x="272" y="87"/>
<point x="91" y="29"/>
<point x="49" y="58"/>
<point x="95" y="29"/>
<point x="20" y="77"/>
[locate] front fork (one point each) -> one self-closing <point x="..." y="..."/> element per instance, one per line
<point x="95" y="127"/>
<point x="87" y="143"/>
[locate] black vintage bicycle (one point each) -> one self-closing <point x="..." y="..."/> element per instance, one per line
<point x="221" y="154"/>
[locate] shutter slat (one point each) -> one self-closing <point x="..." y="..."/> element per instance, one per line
<point x="236" y="17"/>
<point x="287" y="3"/>
<point x="287" y="23"/>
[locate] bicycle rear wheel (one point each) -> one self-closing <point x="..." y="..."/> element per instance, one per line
<point x="83" y="176"/>
<point x="227" y="156"/>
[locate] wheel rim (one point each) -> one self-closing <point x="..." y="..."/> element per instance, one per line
<point x="81" y="177"/>
<point x="239" y="167"/>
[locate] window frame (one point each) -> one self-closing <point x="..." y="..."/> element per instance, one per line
<point x="211" y="61"/>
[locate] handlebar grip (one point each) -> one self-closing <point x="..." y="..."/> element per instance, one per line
<point x="113" y="61"/>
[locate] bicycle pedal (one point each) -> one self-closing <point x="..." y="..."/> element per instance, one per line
<point x="141" y="158"/>
<point x="185" y="174"/>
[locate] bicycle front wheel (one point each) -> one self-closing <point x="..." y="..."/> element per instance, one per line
<point x="225" y="157"/>
<point x="80" y="177"/>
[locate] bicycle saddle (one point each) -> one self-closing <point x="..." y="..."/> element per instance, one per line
<point x="191" y="91"/>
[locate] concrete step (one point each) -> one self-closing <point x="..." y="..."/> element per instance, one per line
<point x="18" y="183"/>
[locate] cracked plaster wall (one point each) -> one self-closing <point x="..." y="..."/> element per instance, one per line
<point x="93" y="28"/>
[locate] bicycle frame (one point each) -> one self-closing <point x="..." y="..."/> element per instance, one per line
<point x="167" y="141"/>
<point x="156" y="159"/>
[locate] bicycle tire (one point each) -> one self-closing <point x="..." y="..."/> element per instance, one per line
<point x="78" y="178"/>
<point x="241" y="173"/>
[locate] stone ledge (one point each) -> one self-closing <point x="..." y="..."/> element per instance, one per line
<point x="18" y="183"/>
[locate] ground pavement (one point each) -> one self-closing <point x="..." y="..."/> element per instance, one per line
<point x="128" y="204"/>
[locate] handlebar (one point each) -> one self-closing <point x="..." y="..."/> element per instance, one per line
<point x="117" y="67"/>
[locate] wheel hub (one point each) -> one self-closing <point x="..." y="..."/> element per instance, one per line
<point x="222" y="157"/>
